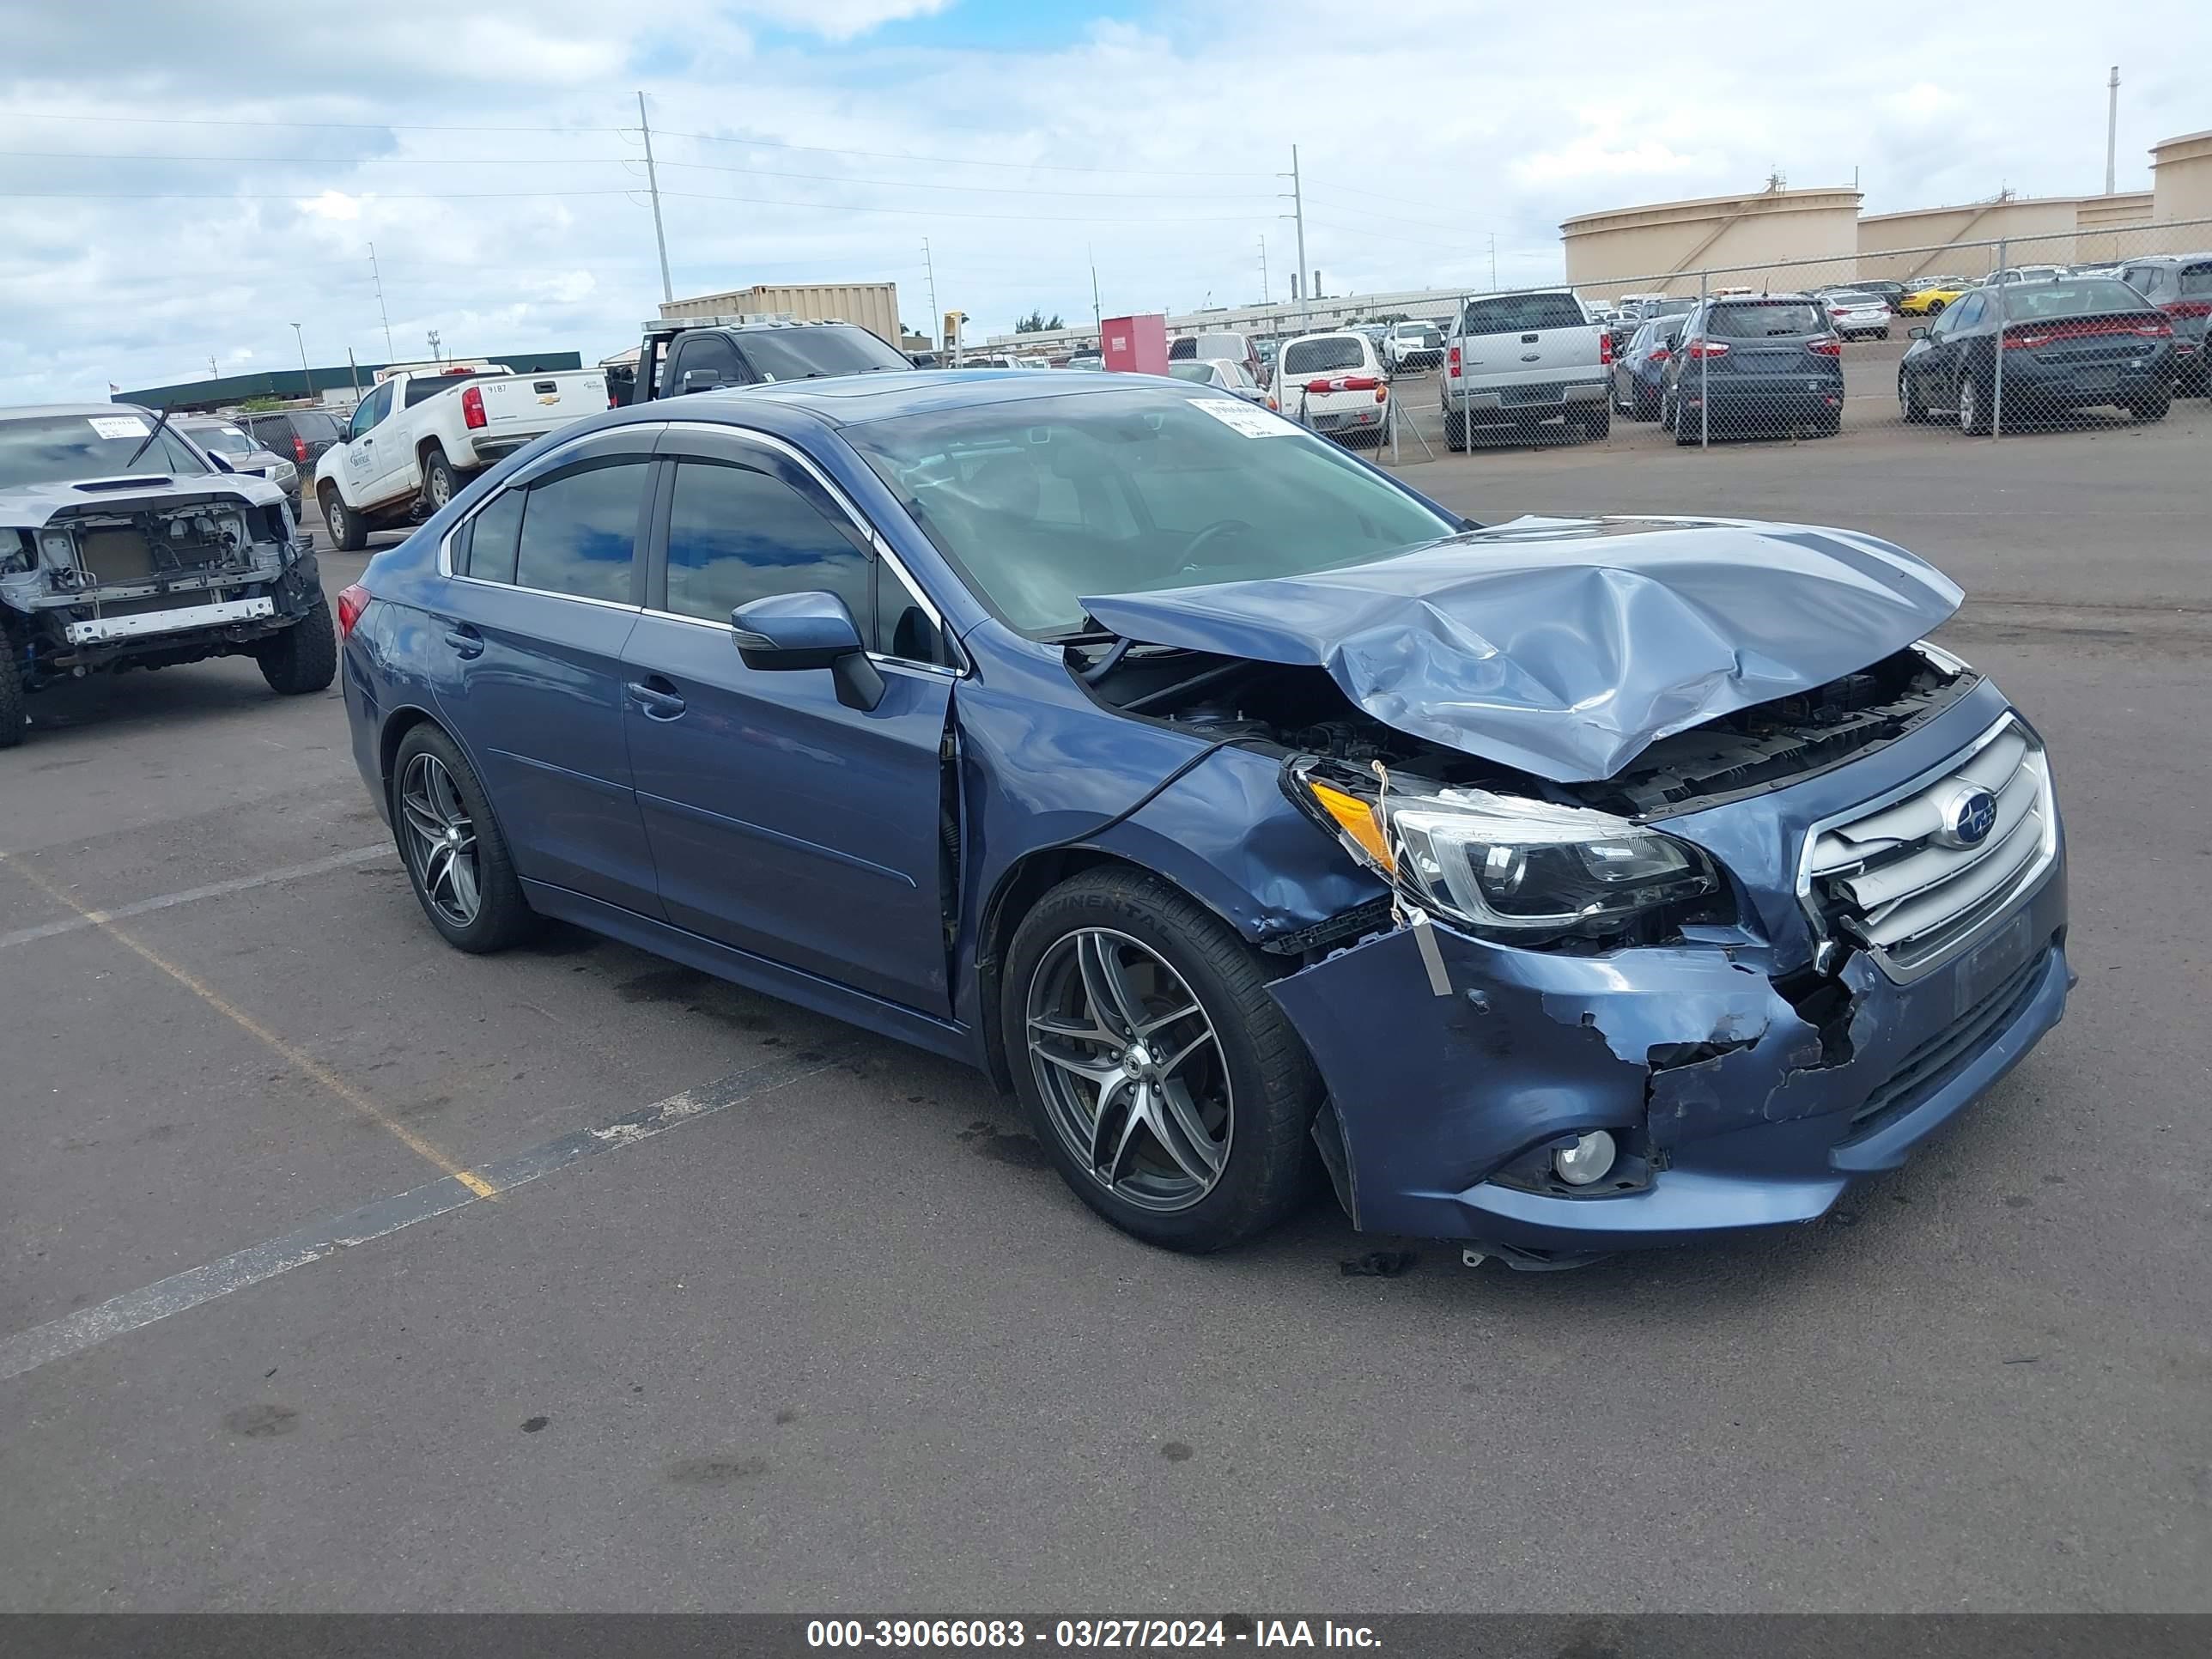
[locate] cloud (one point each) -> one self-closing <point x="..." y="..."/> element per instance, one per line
<point x="491" y="153"/>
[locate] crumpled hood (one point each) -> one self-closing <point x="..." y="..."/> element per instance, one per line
<point x="1566" y="647"/>
<point x="27" y="507"/>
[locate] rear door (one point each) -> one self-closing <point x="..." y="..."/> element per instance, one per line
<point x="547" y="581"/>
<point x="783" y="823"/>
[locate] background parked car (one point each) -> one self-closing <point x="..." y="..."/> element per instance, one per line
<point x="1418" y="345"/>
<point x="1351" y="402"/>
<point x="1518" y="361"/>
<point x="1226" y="376"/>
<point x="2069" y="342"/>
<point x="1856" y="315"/>
<point x="1932" y="294"/>
<point x="1237" y="348"/>
<point x="2180" y="285"/>
<point x="239" y="450"/>
<point x="301" y="433"/>
<point x="1890" y="294"/>
<point x="1763" y="363"/>
<point x="1639" y="374"/>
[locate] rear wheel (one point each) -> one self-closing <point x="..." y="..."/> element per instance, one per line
<point x="348" y="531"/>
<point x="304" y="658"/>
<point x="1167" y="1087"/>
<point x="438" y="484"/>
<point x="457" y="861"/>
<point x="2153" y="405"/>
<point x="1454" y="431"/>
<point x="12" y="717"/>
<point x="1598" y="423"/>
<point x="1935" y="308"/>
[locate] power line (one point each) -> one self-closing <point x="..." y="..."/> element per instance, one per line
<point x="327" y="126"/>
<point x="962" y="161"/>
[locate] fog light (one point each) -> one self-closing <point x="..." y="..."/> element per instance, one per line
<point x="1587" y="1160"/>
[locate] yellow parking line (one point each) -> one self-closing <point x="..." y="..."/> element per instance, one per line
<point x="295" y="1057"/>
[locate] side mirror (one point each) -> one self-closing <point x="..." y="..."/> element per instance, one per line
<point x="1916" y="332"/>
<point x="808" y="631"/>
<point x="700" y="380"/>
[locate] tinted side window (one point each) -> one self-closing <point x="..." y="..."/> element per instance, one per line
<point x="708" y="351"/>
<point x="736" y="535"/>
<point x="493" y="533"/>
<point x="1970" y="312"/>
<point x="580" y="531"/>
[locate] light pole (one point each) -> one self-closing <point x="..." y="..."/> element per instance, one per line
<point x="306" y="374"/>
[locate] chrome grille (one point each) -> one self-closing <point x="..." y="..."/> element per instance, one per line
<point x="1886" y="875"/>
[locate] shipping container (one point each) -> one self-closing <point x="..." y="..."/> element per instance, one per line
<point x="873" y="305"/>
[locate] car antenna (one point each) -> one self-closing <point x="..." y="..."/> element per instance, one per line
<point x="150" y="436"/>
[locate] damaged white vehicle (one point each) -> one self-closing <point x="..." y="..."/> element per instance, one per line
<point x="123" y="544"/>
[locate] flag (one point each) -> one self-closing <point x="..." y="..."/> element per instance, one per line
<point x="112" y="386"/>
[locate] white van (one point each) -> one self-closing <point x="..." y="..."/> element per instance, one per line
<point x="1237" y="348"/>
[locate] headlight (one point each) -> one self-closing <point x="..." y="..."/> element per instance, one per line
<point x="1501" y="865"/>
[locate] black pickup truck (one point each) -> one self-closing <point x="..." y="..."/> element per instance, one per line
<point x="704" y="354"/>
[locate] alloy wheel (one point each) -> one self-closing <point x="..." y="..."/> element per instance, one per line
<point x="1969" y="412"/>
<point x="1131" y="1071"/>
<point x="442" y="840"/>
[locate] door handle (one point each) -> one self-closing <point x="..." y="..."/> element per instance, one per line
<point x="466" y="641"/>
<point x="658" y="705"/>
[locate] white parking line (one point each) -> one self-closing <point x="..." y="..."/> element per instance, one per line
<point x="88" y="1328"/>
<point x="194" y="894"/>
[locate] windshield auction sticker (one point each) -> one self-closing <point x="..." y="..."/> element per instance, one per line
<point x="1247" y="418"/>
<point x="116" y="426"/>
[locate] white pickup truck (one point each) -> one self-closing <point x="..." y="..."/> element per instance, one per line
<point x="424" y="431"/>
<point x="1515" y="361"/>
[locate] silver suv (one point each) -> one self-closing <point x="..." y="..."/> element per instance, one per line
<point x="2180" y="285"/>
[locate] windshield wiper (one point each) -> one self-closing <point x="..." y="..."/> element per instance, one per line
<point x="150" y="436"/>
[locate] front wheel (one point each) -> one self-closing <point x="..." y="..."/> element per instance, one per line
<point x="1975" y="402"/>
<point x="304" y="658"/>
<point x="457" y="859"/>
<point x="1167" y="1086"/>
<point x="13" y="720"/>
<point x="1908" y="398"/>
<point x="348" y="531"/>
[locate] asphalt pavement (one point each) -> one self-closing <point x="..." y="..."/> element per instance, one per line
<point x="763" y="1313"/>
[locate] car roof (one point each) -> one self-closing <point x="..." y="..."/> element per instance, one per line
<point x="853" y="400"/>
<point x="25" y="411"/>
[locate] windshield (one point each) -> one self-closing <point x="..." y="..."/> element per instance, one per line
<point x="1042" y="501"/>
<point x="800" y="354"/>
<point x="2074" y="297"/>
<point x="1522" y="313"/>
<point x="1331" y="351"/>
<point x="227" y="438"/>
<point x="1765" y="319"/>
<point x="45" y="449"/>
<point x="1197" y="373"/>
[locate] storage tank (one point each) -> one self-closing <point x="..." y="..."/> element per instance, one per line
<point x="1642" y="248"/>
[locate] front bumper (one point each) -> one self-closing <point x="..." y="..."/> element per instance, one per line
<point x="1749" y="1115"/>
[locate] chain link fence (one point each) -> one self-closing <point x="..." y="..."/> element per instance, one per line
<point x="2081" y="331"/>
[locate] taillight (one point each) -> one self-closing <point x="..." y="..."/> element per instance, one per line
<point x="352" y="602"/>
<point x="1708" y="348"/>
<point x="1826" y="346"/>
<point x="2188" y="308"/>
<point x="1604" y="348"/>
<point x="1661" y="354"/>
<point x="299" y="449"/>
<point x="2155" y="331"/>
<point x="1381" y="392"/>
<point x="1452" y="357"/>
<point x="472" y="415"/>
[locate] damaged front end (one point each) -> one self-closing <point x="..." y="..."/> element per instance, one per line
<point x="1699" y="995"/>
<point x="147" y="573"/>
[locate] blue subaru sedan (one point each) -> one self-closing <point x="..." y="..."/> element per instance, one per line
<point x="1559" y="886"/>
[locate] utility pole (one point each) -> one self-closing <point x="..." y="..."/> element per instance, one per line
<point x="435" y="356"/>
<point x="1097" y="311"/>
<point x="2111" y="125"/>
<point x="1265" y="296"/>
<point x="652" y="189"/>
<point x="1493" y="262"/>
<point x="389" y="353"/>
<point x="211" y="371"/>
<point x="306" y="374"/>
<point x="932" y="269"/>
<point x="1299" y="213"/>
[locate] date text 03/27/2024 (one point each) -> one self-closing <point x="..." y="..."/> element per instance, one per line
<point x="1064" y="1633"/>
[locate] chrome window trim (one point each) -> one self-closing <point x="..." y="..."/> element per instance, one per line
<point x="2024" y="885"/>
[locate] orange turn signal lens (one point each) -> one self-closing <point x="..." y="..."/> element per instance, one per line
<point x="1357" y="820"/>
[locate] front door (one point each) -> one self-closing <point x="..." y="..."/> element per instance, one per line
<point x="782" y="822"/>
<point x="363" y="471"/>
<point x="529" y="641"/>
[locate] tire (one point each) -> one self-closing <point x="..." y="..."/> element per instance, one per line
<point x="1935" y="308"/>
<point x="1257" y="1076"/>
<point x="1686" y="435"/>
<point x="2152" y="405"/>
<point x="348" y="531"/>
<point x="502" y="916"/>
<point x="12" y="719"/>
<point x="1646" y="406"/>
<point x="1598" y="423"/>
<point x="1908" y="400"/>
<point x="439" y="484"/>
<point x="303" y="659"/>
<point x="1881" y="334"/>
<point x="1974" y="405"/>
<point x="1454" y="431"/>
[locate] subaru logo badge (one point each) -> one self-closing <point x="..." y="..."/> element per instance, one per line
<point x="1968" y="817"/>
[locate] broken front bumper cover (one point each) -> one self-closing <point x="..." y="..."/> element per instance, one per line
<point x="1750" y="1117"/>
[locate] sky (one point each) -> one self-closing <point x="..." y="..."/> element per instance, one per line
<point x="180" y="182"/>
